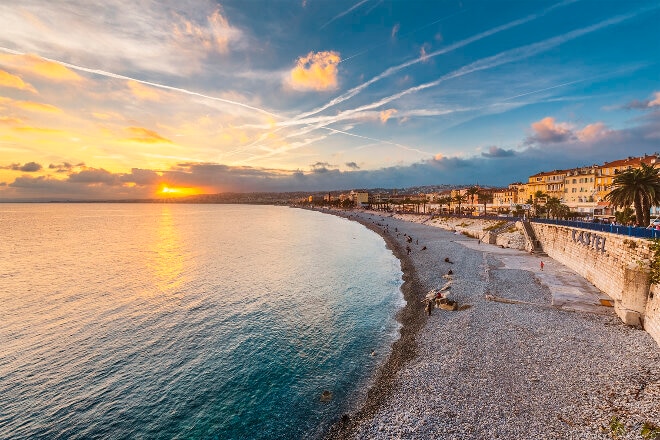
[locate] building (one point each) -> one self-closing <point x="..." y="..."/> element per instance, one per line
<point x="361" y="199"/>
<point x="550" y="183"/>
<point x="505" y="199"/>
<point x="580" y="190"/>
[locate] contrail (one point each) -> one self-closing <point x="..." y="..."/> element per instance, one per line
<point x="160" y="86"/>
<point x="608" y="74"/>
<point x="405" y="35"/>
<point x="501" y="58"/>
<point x="355" y="90"/>
<point x="355" y="6"/>
<point x="544" y="89"/>
<point x="377" y="140"/>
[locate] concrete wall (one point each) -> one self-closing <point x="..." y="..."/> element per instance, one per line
<point x="616" y="264"/>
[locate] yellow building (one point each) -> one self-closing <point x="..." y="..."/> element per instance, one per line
<point x="580" y="189"/>
<point x="506" y="199"/>
<point x="360" y="198"/>
<point x="609" y="170"/>
<point x="550" y="183"/>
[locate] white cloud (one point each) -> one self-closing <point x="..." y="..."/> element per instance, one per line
<point x="118" y="34"/>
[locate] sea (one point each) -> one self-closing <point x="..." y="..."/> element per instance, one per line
<point x="183" y="321"/>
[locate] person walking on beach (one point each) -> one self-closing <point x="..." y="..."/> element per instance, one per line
<point x="429" y="307"/>
<point x="542" y="265"/>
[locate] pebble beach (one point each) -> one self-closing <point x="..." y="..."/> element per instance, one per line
<point x="505" y="370"/>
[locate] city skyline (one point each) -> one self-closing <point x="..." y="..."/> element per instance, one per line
<point x="119" y="100"/>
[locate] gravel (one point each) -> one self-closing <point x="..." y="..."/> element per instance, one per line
<point x="499" y="370"/>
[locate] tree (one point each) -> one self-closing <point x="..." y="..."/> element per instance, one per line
<point x="445" y="200"/>
<point x="519" y="211"/>
<point x="535" y="201"/>
<point x="639" y="187"/>
<point x="554" y="207"/>
<point x="485" y="198"/>
<point x="458" y="199"/>
<point x="472" y="191"/>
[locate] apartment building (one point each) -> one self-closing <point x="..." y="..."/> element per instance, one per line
<point x="548" y="182"/>
<point x="580" y="189"/>
<point x="505" y="199"/>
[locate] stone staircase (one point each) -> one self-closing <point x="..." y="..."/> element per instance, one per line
<point x="533" y="244"/>
<point x="504" y="227"/>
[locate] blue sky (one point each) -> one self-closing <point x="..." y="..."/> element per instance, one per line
<point x="120" y="99"/>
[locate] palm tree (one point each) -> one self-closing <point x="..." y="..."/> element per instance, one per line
<point x="458" y="198"/>
<point x="472" y="191"/>
<point x="553" y="206"/>
<point x="445" y="200"/>
<point x="639" y="187"/>
<point x="535" y="201"/>
<point x="485" y="198"/>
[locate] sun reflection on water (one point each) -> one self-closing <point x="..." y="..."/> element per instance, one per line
<point x="167" y="253"/>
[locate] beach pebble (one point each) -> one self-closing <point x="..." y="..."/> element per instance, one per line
<point x="509" y="371"/>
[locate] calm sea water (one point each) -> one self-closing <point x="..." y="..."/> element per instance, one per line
<point x="187" y="321"/>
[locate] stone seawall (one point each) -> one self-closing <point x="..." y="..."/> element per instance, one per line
<point x="652" y="317"/>
<point x="479" y="228"/>
<point x="616" y="264"/>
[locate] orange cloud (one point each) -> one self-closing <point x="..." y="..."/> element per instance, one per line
<point x="40" y="130"/>
<point x="143" y="92"/>
<point x="37" y="107"/>
<point x="547" y="130"/>
<point x="316" y="71"/>
<point x="5" y="120"/>
<point x="386" y="114"/>
<point x="107" y="116"/>
<point x="28" y="105"/>
<point x="215" y="36"/>
<point x="147" y="136"/>
<point x="35" y="65"/>
<point x="14" y="82"/>
<point x="656" y="101"/>
<point x="593" y="132"/>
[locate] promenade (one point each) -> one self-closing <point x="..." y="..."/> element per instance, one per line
<point x="550" y="362"/>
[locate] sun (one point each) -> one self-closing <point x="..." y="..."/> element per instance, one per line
<point x="170" y="191"/>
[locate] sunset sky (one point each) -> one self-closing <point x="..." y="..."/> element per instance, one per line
<point x="123" y="98"/>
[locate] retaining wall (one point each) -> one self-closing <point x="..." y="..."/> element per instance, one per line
<point x="616" y="264"/>
<point x="652" y="317"/>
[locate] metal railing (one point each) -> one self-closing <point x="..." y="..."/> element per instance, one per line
<point x="630" y="231"/>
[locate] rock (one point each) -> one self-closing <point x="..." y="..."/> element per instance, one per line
<point x="326" y="396"/>
<point x="447" y="304"/>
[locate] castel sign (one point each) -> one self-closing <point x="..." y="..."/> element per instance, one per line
<point x="589" y="239"/>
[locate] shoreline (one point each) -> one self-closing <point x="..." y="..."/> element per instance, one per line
<point x="412" y="319"/>
<point x="494" y="369"/>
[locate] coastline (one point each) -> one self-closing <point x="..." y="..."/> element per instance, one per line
<point x="497" y="370"/>
<point x="412" y="319"/>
